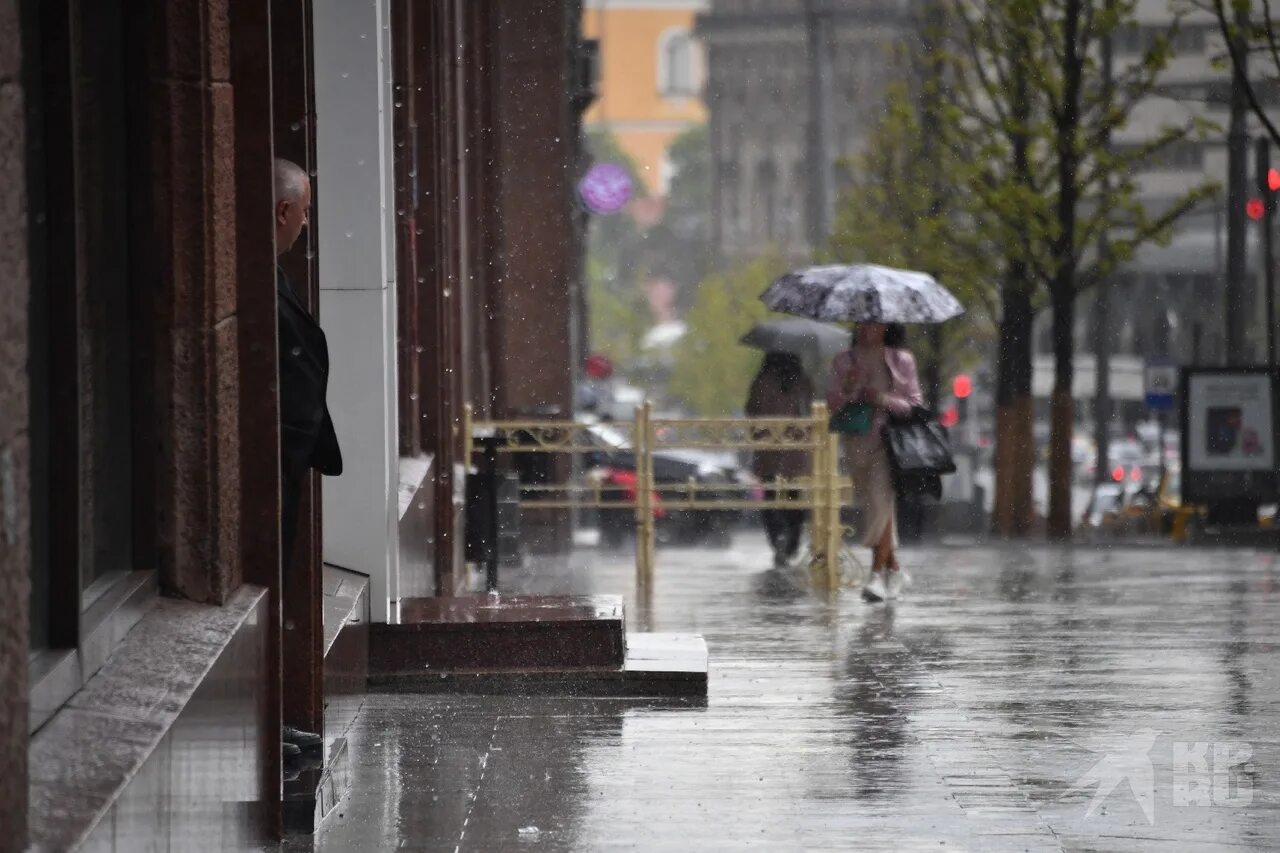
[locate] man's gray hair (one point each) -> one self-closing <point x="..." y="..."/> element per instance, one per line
<point x="290" y="181"/>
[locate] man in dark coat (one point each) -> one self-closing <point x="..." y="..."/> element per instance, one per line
<point x="307" y="437"/>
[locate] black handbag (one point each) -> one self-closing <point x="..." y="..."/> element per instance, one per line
<point x="918" y="445"/>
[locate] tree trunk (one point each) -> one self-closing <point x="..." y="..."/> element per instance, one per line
<point x="1015" y="445"/>
<point x="1063" y="286"/>
<point x="1015" y="440"/>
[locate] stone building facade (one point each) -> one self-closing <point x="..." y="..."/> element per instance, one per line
<point x="153" y="641"/>
<point x="757" y="95"/>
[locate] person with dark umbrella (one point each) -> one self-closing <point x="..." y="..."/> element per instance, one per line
<point x="307" y="436"/>
<point x="781" y="390"/>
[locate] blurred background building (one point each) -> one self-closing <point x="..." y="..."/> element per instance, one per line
<point x="652" y="69"/>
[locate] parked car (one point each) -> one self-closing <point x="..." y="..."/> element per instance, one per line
<point x="613" y="465"/>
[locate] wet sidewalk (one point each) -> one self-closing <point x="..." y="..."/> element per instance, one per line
<point x="981" y="713"/>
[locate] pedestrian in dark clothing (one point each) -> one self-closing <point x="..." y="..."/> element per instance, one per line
<point x="781" y="390"/>
<point x="307" y="437"/>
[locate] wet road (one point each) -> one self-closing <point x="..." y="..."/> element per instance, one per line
<point x="981" y="713"/>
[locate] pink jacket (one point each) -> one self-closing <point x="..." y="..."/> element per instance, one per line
<point x="847" y="378"/>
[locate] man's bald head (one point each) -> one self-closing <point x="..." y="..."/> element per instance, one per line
<point x="293" y="203"/>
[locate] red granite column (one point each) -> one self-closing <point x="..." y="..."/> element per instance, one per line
<point x="193" y="145"/>
<point x="15" y="551"/>
<point x="259" y="402"/>
<point x="533" y="296"/>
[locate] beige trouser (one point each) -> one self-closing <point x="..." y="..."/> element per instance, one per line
<point x="872" y="487"/>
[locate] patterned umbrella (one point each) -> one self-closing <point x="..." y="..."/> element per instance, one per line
<point x="862" y="293"/>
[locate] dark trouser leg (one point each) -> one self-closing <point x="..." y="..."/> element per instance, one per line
<point x="792" y="527"/>
<point x="772" y="522"/>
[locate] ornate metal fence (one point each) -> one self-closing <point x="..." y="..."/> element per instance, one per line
<point x="821" y="493"/>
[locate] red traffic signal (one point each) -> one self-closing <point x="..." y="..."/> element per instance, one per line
<point x="962" y="386"/>
<point x="1273" y="179"/>
<point x="1255" y="209"/>
<point x="950" y="417"/>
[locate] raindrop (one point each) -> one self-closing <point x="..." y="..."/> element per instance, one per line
<point x="348" y="235"/>
<point x="413" y="397"/>
<point x="364" y="35"/>
<point x="398" y="104"/>
<point x="296" y="351"/>
<point x="297" y="125"/>
<point x="346" y="74"/>
<point x="446" y="293"/>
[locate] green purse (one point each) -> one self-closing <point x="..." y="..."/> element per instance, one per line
<point x="852" y="419"/>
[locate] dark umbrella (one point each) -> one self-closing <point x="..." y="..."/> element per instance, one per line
<point x="798" y="336"/>
<point x="862" y="293"/>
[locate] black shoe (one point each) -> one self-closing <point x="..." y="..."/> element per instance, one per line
<point x="301" y="739"/>
<point x="289" y="750"/>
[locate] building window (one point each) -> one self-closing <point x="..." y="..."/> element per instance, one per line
<point x="1183" y="155"/>
<point x="1185" y="39"/>
<point x="86" y="368"/>
<point x="677" y="64"/>
<point x="767" y="201"/>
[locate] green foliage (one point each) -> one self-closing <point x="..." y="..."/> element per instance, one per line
<point x="617" y="317"/>
<point x="712" y="371"/>
<point x="1027" y="78"/>
<point x="905" y="207"/>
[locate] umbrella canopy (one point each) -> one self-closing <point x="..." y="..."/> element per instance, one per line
<point x="798" y="336"/>
<point x="862" y="293"/>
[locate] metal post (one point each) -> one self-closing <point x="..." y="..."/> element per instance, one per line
<point x="1102" y="314"/>
<point x="643" y="512"/>
<point x="1237" y="193"/>
<point x="817" y="483"/>
<point x="834" y="528"/>
<point x="1269" y="273"/>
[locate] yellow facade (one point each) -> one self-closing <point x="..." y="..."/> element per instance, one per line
<point x="651" y="71"/>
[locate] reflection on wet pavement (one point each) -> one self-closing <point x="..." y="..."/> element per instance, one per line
<point x="981" y="713"/>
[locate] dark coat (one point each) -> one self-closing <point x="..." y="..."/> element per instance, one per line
<point x="307" y="437"/>
<point x="768" y="398"/>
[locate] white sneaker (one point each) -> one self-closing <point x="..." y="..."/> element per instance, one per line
<point x="893" y="588"/>
<point x="875" y="589"/>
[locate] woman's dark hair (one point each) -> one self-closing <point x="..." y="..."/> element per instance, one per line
<point x="895" y="335"/>
<point x="786" y="366"/>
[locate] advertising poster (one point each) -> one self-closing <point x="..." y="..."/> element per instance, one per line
<point x="1229" y="426"/>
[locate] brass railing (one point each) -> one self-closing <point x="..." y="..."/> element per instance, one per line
<point x="821" y="493"/>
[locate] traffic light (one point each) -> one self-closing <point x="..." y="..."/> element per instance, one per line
<point x="961" y="388"/>
<point x="1255" y="209"/>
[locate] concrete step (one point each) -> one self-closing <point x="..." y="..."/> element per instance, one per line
<point x="500" y="633"/>
<point x="531" y="644"/>
<point x="656" y="666"/>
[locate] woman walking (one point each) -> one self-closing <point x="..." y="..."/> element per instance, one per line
<point x="868" y="383"/>
<point x="781" y="390"/>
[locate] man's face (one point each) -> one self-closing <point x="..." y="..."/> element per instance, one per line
<point x="291" y="218"/>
